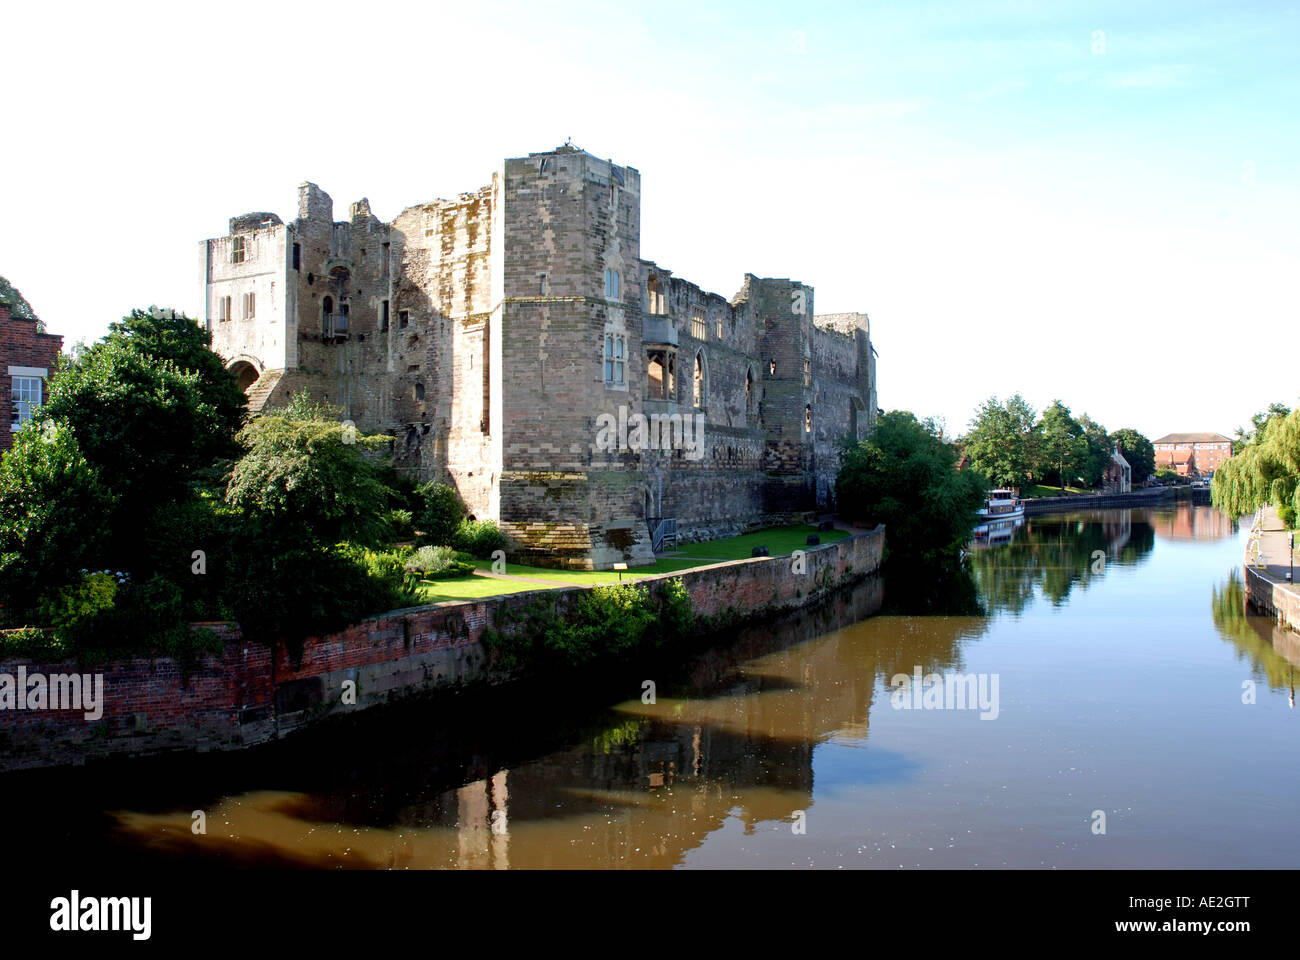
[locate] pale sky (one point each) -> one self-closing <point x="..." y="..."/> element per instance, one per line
<point x="1090" y="202"/>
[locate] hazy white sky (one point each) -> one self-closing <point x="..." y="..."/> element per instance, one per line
<point x="1088" y="202"/>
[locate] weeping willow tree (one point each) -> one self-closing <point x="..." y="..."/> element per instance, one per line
<point x="1266" y="471"/>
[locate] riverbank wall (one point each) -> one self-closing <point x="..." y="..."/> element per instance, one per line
<point x="1265" y="566"/>
<point x="245" y="695"/>
<point x="1138" y="498"/>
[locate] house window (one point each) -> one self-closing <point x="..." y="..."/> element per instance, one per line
<point x="541" y="285"/>
<point x="611" y="284"/>
<point x="403" y="319"/>
<point x="238" y="249"/>
<point x="771" y="368"/>
<point x="26" y="395"/>
<point x="614" y="358"/>
<point x="297" y="256"/>
<point x="419" y="391"/>
<point x="250" y="305"/>
<point x="699" y="387"/>
<point x="807" y="419"/>
<point x="223" y="308"/>
<point x="697" y="326"/>
<point x="719" y="326"/>
<point x="807" y="372"/>
<point x="749" y="390"/>
<point x="383" y="315"/>
<point x="384" y="265"/>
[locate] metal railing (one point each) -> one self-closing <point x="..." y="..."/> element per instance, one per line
<point x="663" y="530"/>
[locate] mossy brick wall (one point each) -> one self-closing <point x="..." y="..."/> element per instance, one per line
<point x="240" y="697"/>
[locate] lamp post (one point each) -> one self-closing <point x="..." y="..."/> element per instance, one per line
<point x="1290" y="556"/>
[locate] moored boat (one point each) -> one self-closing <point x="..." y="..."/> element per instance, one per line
<point x="1002" y="504"/>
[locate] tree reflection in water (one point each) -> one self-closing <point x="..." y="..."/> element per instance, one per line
<point x="1272" y="651"/>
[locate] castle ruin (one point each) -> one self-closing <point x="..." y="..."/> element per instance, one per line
<point x="514" y="343"/>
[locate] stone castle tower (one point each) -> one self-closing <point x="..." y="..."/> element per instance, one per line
<point x="496" y="336"/>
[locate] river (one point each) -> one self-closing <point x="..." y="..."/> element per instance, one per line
<point x="1132" y="716"/>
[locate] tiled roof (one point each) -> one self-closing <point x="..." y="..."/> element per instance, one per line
<point x="1194" y="438"/>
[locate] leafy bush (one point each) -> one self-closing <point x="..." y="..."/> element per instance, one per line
<point x="1287" y="515"/>
<point x="400" y="524"/>
<point x="32" y="643"/>
<point x="72" y="609"/>
<point x="300" y="592"/>
<point x="439" y="562"/>
<point x="905" y="475"/>
<point x="605" y="621"/>
<point x="441" y="511"/>
<point x="478" y="537"/>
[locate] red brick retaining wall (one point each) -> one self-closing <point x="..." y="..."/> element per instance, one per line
<point x="240" y="697"/>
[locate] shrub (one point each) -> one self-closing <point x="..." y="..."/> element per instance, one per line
<point x="439" y="562"/>
<point x="605" y="621"/>
<point x="441" y="510"/>
<point x="478" y="537"/>
<point x="1287" y="516"/>
<point x="400" y="524"/>
<point x="295" y="593"/>
<point x="73" y="609"/>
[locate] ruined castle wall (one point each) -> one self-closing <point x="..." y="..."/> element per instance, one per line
<point x="259" y="339"/>
<point x="342" y="267"/>
<point x="440" y="335"/>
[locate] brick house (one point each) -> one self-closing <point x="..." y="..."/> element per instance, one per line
<point x="1192" y="454"/>
<point x="26" y="358"/>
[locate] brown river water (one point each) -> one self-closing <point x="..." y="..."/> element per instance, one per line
<point x="1110" y="669"/>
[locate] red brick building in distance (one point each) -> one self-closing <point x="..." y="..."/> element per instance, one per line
<point x="26" y="358"/>
<point x="1192" y="454"/>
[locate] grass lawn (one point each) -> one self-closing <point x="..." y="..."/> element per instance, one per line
<point x="472" y="588"/>
<point x="1038" y="490"/>
<point x="779" y="541"/>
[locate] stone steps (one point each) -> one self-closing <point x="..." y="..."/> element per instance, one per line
<point x="261" y="390"/>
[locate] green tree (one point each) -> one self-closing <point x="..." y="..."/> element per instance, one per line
<point x="1266" y="471"/>
<point x="306" y="477"/>
<point x="52" y="511"/>
<point x="18" y="305"/>
<point x="1137" y="450"/>
<point x="1098" y="453"/>
<point x="905" y="476"/>
<point x="143" y="424"/>
<point x="1259" y="422"/>
<point x="1064" y="448"/>
<point x="1003" y="441"/>
<point x="167" y="335"/>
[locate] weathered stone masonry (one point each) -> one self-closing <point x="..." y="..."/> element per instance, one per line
<point x="489" y="334"/>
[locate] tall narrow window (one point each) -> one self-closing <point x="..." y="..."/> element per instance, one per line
<point x="698" y="330"/>
<point x="238" y="249"/>
<point x="699" y="391"/>
<point x="327" y="317"/>
<point x="250" y="306"/>
<point x="403" y="319"/>
<point x="807" y="372"/>
<point x="383" y="266"/>
<point x="614" y="359"/>
<point x="383" y="315"/>
<point x="807" y="419"/>
<point x="297" y="256"/>
<point x="223" y="308"/>
<point x="749" y="390"/>
<point x="719" y="326"/>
